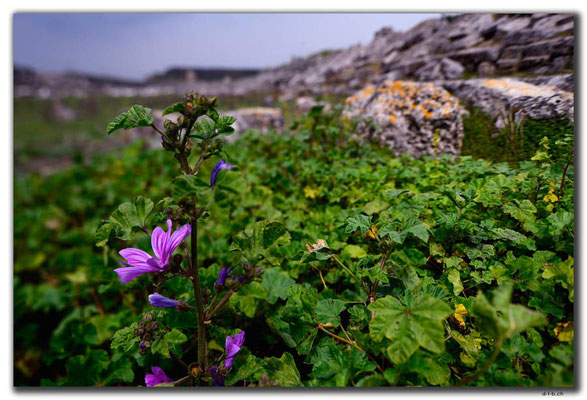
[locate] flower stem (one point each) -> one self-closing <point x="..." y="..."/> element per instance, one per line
<point x="202" y="359"/>
<point x="350" y="273"/>
<point x="220" y="304"/>
<point x="341" y="339"/>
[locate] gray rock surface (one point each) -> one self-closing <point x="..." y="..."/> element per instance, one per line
<point x="409" y="117"/>
<point x="506" y="97"/>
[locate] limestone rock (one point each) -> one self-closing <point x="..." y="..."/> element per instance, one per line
<point x="502" y="97"/>
<point x="306" y="103"/>
<point x="262" y="119"/>
<point x="443" y="68"/>
<point x="486" y="68"/>
<point x="409" y="117"/>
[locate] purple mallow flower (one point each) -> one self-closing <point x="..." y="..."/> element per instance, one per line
<point x="157" y="300"/>
<point x="219" y="167"/>
<point x="157" y="377"/>
<point x="233" y="346"/>
<point x="140" y="262"/>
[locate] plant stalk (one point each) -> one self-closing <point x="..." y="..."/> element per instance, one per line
<point x="202" y="359"/>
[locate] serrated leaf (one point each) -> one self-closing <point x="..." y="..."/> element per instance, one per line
<point x="454" y="277"/>
<point x="135" y="117"/>
<point x="188" y="186"/>
<point x="419" y="318"/>
<point x="125" y="338"/>
<point x="353" y="251"/>
<point x="360" y="222"/>
<point x="283" y="370"/>
<point x="276" y="282"/>
<point x="328" y="311"/>
<point x="177" y="107"/>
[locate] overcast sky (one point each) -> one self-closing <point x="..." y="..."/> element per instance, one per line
<point x="136" y="45"/>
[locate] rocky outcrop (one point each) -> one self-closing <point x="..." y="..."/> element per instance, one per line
<point x="449" y="47"/>
<point x="262" y="119"/>
<point x="409" y="117"/>
<point x="437" y="49"/>
<point x="508" y="98"/>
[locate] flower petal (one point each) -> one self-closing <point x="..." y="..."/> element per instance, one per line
<point x="135" y="257"/>
<point x="157" y="377"/>
<point x="219" y="167"/>
<point x="127" y="274"/>
<point x="178" y="237"/>
<point x="158" y="242"/>
<point x="157" y="300"/>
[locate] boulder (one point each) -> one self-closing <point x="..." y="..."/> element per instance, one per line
<point x="443" y="68"/>
<point x="421" y="119"/>
<point x="506" y="97"/>
<point x="57" y="110"/>
<point x="306" y="103"/>
<point x="262" y="119"/>
<point x="486" y="68"/>
<point x="472" y="57"/>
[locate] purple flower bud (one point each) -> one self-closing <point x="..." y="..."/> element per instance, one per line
<point x="219" y="167"/>
<point x="142" y="345"/>
<point x="217" y="379"/>
<point x="157" y="377"/>
<point x="157" y="300"/>
<point x="241" y="278"/>
<point x="233" y="346"/>
<point x="223" y="276"/>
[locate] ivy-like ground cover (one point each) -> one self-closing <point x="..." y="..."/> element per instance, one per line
<point x="378" y="271"/>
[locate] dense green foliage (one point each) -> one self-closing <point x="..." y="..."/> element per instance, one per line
<point x="516" y="142"/>
<point x="388" y="271"/>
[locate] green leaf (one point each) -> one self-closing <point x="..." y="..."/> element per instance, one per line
<point x="87" y="370"/>
<point x="375" y="206"/>
<point x="125" y="338"/>
<point x="435" y="372"/>
<point x="283" y="370"/>
<point x="136" y="116"/>
<point x="522" y="211"/>
<point x="256" y="243"/>
<point x="416" y="320"/>
<point x="248" y="298"/>
<point x="246" y="366"/>
<point x="559" y="221"/>
<point x="175" y="337"/>
<point x="327" y="311"/>
<point x="276" y="282"/>
<point x="223" y="125"/>
<point x="204" y="129"/>
<point x="501" y="319"/>
<point x="127" y="218"/>
<point x="455" y="278"/>
<point x="106" y="231"/>
<point x="188" y="186"/>
<point x="353" y="251"/>
<point x="177" y="107"/>
<point x="360" y="222"/>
